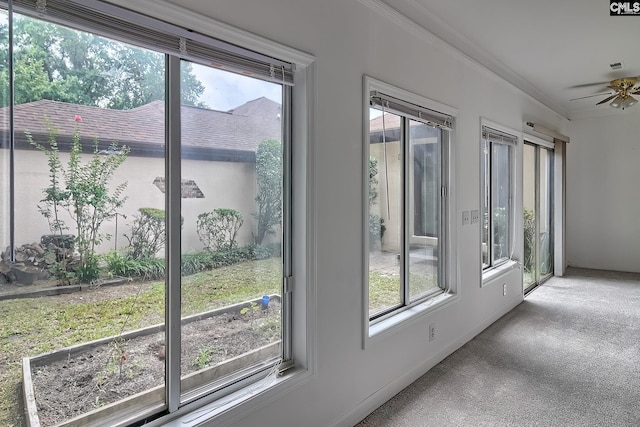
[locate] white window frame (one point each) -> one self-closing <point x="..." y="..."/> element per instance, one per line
<point x="493" y="270"/>
<point x="247" y="395"/>
<point x="375" y="330"/>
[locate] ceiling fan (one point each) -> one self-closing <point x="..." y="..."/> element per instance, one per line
<point x="621" y="97"/>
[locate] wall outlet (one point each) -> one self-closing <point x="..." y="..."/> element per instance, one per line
<point x="504" y="289"/>
<point x="465" y="218"/>
<point x="475" y="216"/>
<point x="432" y="332"/>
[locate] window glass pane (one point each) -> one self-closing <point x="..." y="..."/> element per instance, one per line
<point x="546" y="212"/>
<point x="500" y="200"/>
<point x="485" y="169"/>
<point x="232" y="207"/>
<point x="4" y="136"/>
<point x="424" y="164"/>
<point x="89" y="127"/>
<point x="529" y="206"/>
<point x="385" y="211"/>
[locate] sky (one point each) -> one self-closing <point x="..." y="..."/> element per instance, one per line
<point x="225" y="91"/>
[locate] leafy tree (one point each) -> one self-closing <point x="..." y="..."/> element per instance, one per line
<point x="58" y="63"/>
<point x="269" y="195"/>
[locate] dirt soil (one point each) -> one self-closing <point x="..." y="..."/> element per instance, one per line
<point x="106" y="374"/>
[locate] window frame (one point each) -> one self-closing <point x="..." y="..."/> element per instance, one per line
<point x="384" y="323"/>
<point x="298" y="352"/>
<point x="497" y="265"/>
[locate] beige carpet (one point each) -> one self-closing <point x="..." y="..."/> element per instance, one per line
<point x="569" y="355"/>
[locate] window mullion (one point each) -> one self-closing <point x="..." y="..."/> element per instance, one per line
<point x="173" y="226"/>
<point x="287" y="209"/>
<point x="406" y="238"/>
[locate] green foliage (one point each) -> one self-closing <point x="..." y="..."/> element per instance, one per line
<point x="81" y="188"/>
<point x="217" y="230"/>
<point x="376" y="229"/>
<point x="376" y="223"/>
<point x="61" y="64"/>
<point x="203" y="358"/>
<point x="269" y="195"/>
<point x="195" y="262"/>
<point x="143" y="268"/>
<point x="373" y="181"/>
<point x="147" y="233"/>
<point x="529" y="240"/>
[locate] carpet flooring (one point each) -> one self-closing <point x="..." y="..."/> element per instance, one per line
<point x="569" y="355"/>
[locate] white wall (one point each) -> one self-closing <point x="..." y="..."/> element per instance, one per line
<point x="224" y="185"/>
<point x="350" y="39"/>
<point x="603" y="200"/>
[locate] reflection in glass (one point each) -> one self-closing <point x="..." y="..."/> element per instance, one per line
<point x="232" y="235"/>
<point x="385" y="211"/>
<point x="425" y="143"/>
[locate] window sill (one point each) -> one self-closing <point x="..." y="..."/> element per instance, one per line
<point x="226" y="410"/>
<point x="381" y="329"/>
<point x="492" y="275"/>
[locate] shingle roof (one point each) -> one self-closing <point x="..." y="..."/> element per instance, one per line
<point x="142" y="128"/>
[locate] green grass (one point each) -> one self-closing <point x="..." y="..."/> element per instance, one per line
<point x="29" y="327"/>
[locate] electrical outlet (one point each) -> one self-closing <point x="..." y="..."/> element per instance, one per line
<point x="465" y="218"/>
<point x="432" y="332"/>
<point x="504" y="289"/>
<point x="475" y="216"/>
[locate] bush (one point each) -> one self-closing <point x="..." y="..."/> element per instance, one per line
<point x="529" y="239"/>
<point x="376" y="229"/>
<point x="269" y="195"/>
<point x="147" y="234"/>
<point x="144" y="268"/>
<point x="217" y="230"/>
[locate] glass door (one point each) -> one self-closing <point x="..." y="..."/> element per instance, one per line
<point x="538" y="214"/>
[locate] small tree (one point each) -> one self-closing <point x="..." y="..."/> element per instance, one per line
<point x="269" y="194"/>
<point x="376" y="223"/>
<point x="217" y="230"/>
<point x="82" y="190"/>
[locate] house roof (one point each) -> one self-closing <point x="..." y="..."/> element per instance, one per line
<point x="236" y="132"/>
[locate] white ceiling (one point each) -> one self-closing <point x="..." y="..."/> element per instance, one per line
<point x="544" y="47"/>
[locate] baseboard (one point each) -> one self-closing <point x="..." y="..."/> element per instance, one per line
<point x="376" y="399"/>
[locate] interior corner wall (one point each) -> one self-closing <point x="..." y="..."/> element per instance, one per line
<point x="603" y="193"/>
<point x="350" y="39"/>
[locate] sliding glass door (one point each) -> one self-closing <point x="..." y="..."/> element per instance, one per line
<point x="538" y="214"/>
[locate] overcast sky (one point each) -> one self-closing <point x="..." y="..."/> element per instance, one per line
<point x="224" y="90"/>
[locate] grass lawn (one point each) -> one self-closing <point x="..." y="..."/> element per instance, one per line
<point x="29" y="327"/>
<point x="32" y="326"/>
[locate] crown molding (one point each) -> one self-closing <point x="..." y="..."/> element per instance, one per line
<point x="435" y="31"/>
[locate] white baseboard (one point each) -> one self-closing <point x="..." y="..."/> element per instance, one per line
<point x="376" y="399"/>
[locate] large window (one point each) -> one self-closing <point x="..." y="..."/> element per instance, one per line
<point x="145" y="198"/>
<point x="407" y="152"/>
<point x="497" y="184"/>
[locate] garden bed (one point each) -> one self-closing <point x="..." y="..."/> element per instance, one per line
<point x="86" y="383"/>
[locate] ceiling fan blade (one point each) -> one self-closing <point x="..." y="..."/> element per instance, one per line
<point x="591" y="96"/>
<point x="589" y="85"/>
<point x="607" y="99"/>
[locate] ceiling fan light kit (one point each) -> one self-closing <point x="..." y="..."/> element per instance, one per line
<point x="621" y="97"/>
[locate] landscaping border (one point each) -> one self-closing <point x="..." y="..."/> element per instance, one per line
<point x="97" y="417"/>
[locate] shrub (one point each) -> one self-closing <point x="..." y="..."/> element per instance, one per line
<point x="217" y="230"/>
<point x="269" y="194"/>
<point x="147" y="234"/>
<point x="144" y="268"/>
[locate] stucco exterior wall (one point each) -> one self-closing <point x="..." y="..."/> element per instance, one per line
<point x="224" y="184"/>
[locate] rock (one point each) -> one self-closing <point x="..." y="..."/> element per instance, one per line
<point x="38" y="249"/>
<point x="21" y="256"/>
<point x="24" y="275"/>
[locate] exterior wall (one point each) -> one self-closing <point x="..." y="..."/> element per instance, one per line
<point x="224" y="184"/>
